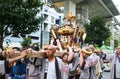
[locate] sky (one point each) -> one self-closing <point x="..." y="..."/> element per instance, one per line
<point x="117" y="3"/>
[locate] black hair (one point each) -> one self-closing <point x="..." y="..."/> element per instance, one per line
<point x="36" y="48"/>
<point x="17" y="48"/>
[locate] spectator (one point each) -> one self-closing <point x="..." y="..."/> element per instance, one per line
<point x="18" y="70"/>
<point x="33" y="65"/>
<point x="115" y="64"/>
<point x="4" y="64"/>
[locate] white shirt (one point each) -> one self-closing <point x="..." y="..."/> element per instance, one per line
<point x="117" y="68"/>
<point x="51" y="74"/>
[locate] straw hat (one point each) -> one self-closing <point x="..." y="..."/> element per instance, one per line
<point x="87" y="50"/>
<point x="76" y="48"/>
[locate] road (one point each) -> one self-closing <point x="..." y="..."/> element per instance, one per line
<point x="106" y="75"/>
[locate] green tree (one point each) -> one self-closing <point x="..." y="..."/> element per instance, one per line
<point x="116" y="42"/>
<point x="107" y="41"/>
<point x="26" y="42"/>
<point x="96" y="31"/>
<point x="19" y="17"/>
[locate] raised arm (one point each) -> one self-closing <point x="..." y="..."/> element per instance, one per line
<point x="71" y="54"/>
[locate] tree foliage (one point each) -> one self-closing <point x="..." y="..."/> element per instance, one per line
<point x="107" y="42"/>
<point x="26" y="42"/>
<point x="19" y="17"/>
<point x="96" y="31"/>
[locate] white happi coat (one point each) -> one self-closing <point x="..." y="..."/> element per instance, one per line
<point x="94" y="60"/>
<point x="112" y="59"/>
<point x="85" y="71"/>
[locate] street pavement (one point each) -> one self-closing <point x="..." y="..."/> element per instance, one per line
<point x="106" y="75"/>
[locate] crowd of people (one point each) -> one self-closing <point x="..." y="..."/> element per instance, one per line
<point x="75" y="63"/>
